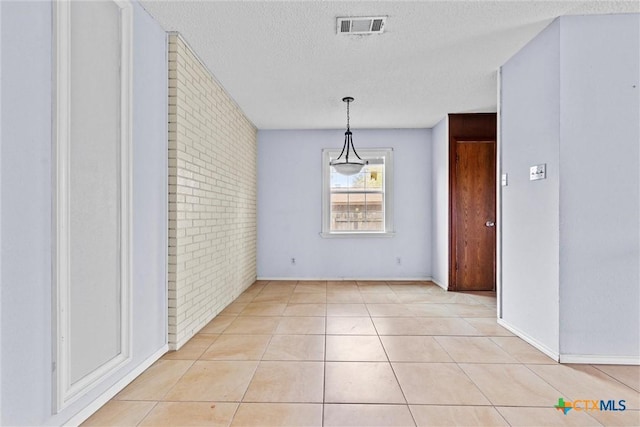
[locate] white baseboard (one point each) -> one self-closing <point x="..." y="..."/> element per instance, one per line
<point x="92" y="407"/>
<point x="590" y="359"/>
<point x="537" y="344"/>
<point x="440" y="284"/>
<point x="587" y="359"/>
<point x="362" y="279"/>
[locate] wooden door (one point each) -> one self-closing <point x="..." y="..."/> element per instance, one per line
<point x="474" y="216"/>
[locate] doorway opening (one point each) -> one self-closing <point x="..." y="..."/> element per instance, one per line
<point x="472" y="202"/>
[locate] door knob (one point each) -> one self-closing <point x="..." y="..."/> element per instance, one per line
<point x="489" y="223"/>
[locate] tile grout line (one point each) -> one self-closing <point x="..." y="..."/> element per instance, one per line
<point x="551" y="385"/>
<point x="611" y="376"/>
<point x="193" y="362"/>
<point x="324" y="369"/>
<point x="148" y="412"/>
<point x="241" y="400"/>
<point x="492" y="405"/>
<point x="404" y="396"/>
<point x="348" y="300"/>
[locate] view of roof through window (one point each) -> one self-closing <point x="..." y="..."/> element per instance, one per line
<point x="357" y="201"/>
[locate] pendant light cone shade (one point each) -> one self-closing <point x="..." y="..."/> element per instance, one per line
<point x="346" y="164"/>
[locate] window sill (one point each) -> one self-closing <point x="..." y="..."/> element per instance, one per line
<point x="348" y="235"/>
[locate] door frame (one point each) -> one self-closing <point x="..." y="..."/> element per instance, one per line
<point x="453" y="153"/>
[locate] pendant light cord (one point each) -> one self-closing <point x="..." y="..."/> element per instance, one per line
<point x="347" y="148"/>
<point x="348" y="102"/>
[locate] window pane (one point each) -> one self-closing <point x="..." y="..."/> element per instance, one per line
<point x="374" y="220"/>
<point x="339" y="212"/>
<point x="338" y="181"/>
<point x="357" y="212"/>
<point x="375" y="175"/>
<point x="370" y="178"/>
<point x="357" y="181"/>
<point x="357" y="202"/>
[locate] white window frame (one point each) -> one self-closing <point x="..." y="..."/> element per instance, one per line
<point x="365" y="153"/>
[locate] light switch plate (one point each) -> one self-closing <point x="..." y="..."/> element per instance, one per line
<point x="505" y="179"/>
<point x="538" y="172"/>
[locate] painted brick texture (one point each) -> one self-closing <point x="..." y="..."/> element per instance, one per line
<point x="212" y="196"/>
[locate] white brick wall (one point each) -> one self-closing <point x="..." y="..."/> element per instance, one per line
<point x="212" y="196"/>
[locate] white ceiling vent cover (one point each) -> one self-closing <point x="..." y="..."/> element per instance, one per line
<point x="362" y="25"/>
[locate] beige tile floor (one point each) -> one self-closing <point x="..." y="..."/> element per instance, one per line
<point x="364" y="354"/>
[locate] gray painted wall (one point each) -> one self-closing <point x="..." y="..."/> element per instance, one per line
<point x="440" y="192"/>
<point x="26" y="223"/>
<point x="571" y="243"/>
<point x="530" y="106"/>
<point x="289" y="208"/>
<point x="600" y="185"/>
<point x="26" y="212"/>
<point x="150" y="183"/>
<point x="0" y="214"/>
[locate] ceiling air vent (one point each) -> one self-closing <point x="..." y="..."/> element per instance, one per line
<point x="362" y="25"/>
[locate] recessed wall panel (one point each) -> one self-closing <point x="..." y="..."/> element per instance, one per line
<point x="93" y="192"/>
<point x="94" y="196"/>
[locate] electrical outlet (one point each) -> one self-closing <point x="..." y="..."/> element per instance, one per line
<point x="398" y="261"/>
<point x="293" y="261"/>
<point x="505" y="179"/>
<point x="538" y="172"/>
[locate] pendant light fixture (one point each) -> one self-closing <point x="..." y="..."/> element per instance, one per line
<point x="343" y="164"/>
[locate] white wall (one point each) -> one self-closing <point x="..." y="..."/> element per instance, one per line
<point x="289" y="208"/>
<point x="26" y="206"/>
<point x="600" y="186"/>
<point x="26" y="169"/>
<point x="212" y="196"/>
<point x="440" y="193"/>
<point x="530" y="107"/>
<point x="571" y="243"/>
<point x="149" y="185"/>
<point x="0" y="216"/>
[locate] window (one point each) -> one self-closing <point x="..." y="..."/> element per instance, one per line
<point x="359" y="204"/>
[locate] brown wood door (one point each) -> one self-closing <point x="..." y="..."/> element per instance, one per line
<point x="474" y="216"/>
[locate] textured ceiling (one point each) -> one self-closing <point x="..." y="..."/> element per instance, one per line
<point x="286" y="67"/>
